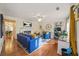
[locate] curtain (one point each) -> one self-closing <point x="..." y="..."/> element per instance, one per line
<point x="73" y="39"/>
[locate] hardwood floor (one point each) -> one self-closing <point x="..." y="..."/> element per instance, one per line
<point x="16" y="50"/>
<point x="48" y="49"/>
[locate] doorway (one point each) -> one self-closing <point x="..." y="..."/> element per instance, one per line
<point x="9" y="35"/>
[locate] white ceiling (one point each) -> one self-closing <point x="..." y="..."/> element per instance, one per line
<point x="28" y="10"/>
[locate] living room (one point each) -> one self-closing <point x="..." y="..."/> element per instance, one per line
<point x="29" y="29"/>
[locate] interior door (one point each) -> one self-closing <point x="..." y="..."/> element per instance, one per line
<point x="1" y="25"/>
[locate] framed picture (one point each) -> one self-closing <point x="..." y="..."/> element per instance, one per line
<point x="27" y="24"/>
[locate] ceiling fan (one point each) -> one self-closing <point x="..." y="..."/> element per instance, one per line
<point x="39" y="17"/>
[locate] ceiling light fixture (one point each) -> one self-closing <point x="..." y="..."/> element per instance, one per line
<point x="40" y="19"/>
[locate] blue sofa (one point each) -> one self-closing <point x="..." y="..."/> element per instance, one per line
<point x="28" y="42"/>
<point x="47" y="35"/>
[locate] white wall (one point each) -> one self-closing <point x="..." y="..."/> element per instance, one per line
<point x="77" y="26"/>
<point x="52" y="22"/>
<point x="19" y="24"/>
<point x="35" y="24"/>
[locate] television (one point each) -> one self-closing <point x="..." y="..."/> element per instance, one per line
<point x="1" y="25"/>
<point x="58" y="29"/>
